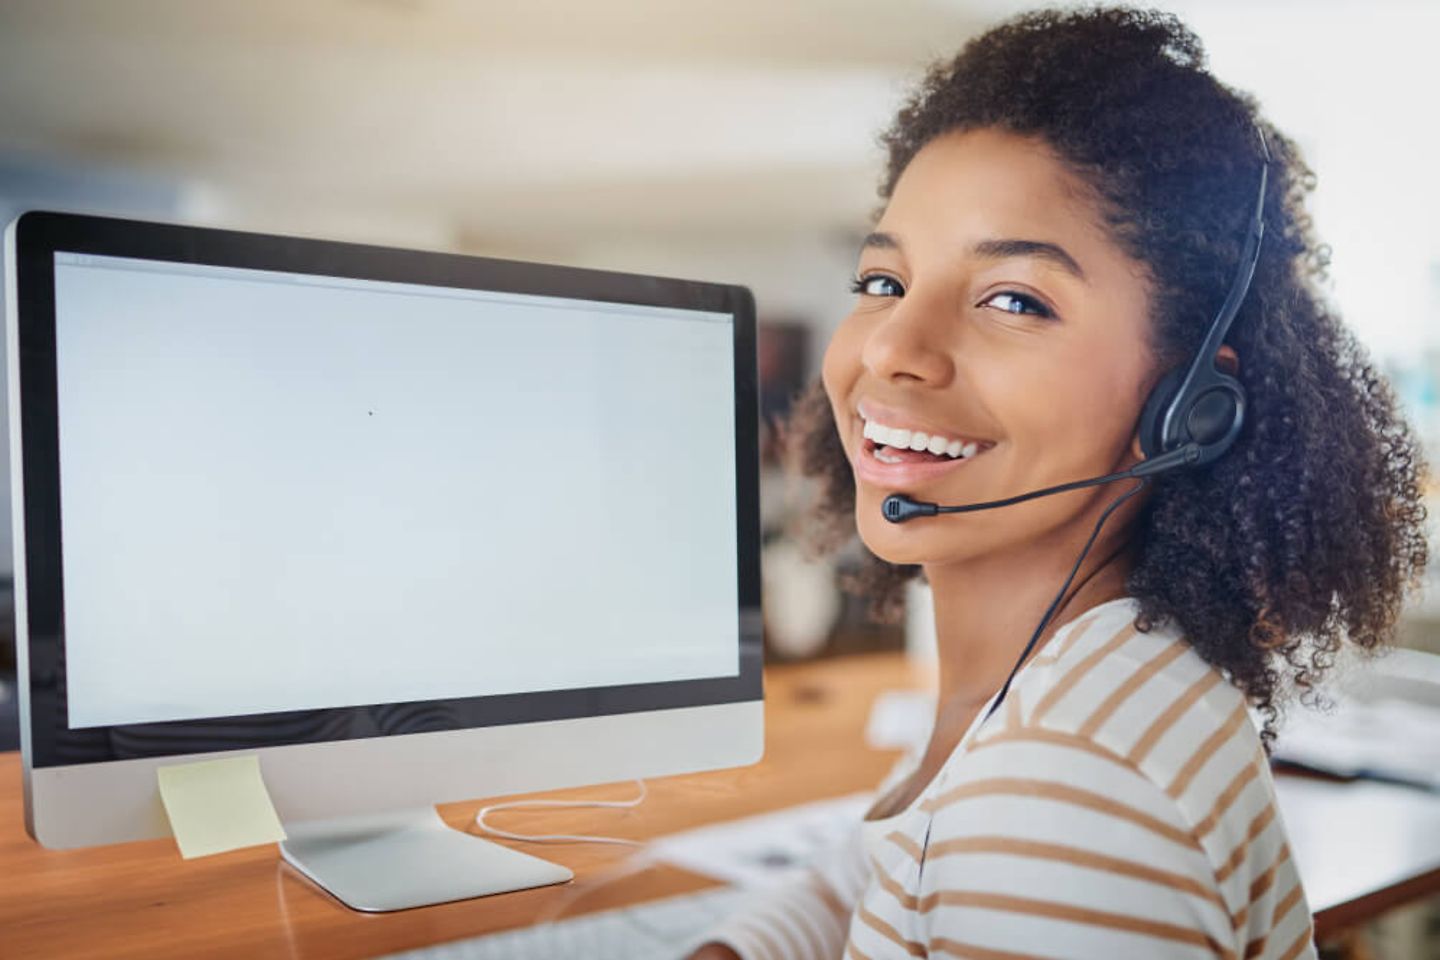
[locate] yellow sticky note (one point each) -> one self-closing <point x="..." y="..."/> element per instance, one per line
<point x="218" y="805"/>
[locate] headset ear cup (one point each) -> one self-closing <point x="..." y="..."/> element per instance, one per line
<point x="1152" y="443"/>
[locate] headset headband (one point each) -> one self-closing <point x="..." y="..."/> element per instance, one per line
<point x="1202" y="375"/>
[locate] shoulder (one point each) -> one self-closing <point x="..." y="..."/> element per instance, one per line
<point x="1144" y="696"/>
<point x="1122" y="785"/>
<point x="1148" y="702"/>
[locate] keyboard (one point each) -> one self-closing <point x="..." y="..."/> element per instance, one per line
<point x="665" y="929"/>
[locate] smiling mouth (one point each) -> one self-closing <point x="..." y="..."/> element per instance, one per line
<point x="894" y="445"/>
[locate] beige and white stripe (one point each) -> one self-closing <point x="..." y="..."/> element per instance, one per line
<point x="1119" y="805"/>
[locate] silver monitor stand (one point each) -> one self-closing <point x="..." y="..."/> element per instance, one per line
<point x="408" y="858"/>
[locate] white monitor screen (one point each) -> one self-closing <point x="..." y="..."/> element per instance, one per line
<point x="282" y="492"/>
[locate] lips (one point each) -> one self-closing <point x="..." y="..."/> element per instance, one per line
<point x="908" y="469"/>
<point x="906" y="476"/>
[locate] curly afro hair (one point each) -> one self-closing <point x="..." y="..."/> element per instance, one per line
<point x="1309" y="531"/>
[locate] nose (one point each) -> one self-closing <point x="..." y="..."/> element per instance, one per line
<point x="907" y="345"/>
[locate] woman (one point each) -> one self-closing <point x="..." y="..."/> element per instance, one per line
<point x="1067" y="204"/>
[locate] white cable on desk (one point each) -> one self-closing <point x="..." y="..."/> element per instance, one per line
<point x="551" y="804"/>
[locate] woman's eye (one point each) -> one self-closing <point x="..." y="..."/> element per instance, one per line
<point x="877" y="285"/>
<point x="1012" y="302"/>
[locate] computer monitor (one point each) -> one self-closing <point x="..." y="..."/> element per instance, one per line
<point x="411" y="527"/>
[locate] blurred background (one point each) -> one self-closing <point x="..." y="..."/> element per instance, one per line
<point x="732" y="142"/>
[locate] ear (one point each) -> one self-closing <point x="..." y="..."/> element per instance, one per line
<point x="1136" y="454"/>
<point x="1226" y="359"/>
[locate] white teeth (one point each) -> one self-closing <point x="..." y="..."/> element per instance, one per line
<point x="915" y="440"/>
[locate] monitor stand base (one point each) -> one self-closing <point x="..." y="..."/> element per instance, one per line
<point x="408" y="858"/>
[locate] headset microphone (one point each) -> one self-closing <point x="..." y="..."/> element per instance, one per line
<point x="898" y="508"/>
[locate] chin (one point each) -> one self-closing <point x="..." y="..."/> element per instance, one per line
<point x="919" y="541"/>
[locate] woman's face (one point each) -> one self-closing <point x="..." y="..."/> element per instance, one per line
<point x="995" y="315"/>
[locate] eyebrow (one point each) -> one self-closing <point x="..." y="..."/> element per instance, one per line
<point x="998" y="249"/>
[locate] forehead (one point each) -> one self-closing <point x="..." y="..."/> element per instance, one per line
<point x="972" y="184"/>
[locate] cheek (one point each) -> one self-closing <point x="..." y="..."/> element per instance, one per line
<point x="841" y="367"/>
<point x="841" y="353"/>
<point x="1081" y="413"/>
<point x="1050" y="396"/>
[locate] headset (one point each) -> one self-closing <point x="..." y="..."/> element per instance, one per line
<point x="1191" y="417"/>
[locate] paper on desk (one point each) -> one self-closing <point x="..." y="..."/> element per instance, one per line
<point x="768" y="849"/>
<point x="771" y="848"/>
<point x="1388" y="739"/>
<point x="218" y="805"/>
<point x="900" y="719"/>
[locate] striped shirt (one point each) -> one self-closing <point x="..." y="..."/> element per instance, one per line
<point x="1119" y="804"/>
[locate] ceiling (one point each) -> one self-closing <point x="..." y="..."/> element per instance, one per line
<point x="733" y="140"/>
<point x="478" y="123"/>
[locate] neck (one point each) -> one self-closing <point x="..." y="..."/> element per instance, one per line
<point x="987" y="607"/>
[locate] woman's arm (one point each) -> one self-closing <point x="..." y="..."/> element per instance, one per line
<point x="807" y="919"/>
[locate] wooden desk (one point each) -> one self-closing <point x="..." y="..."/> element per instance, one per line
<point x="1361" y="849"/>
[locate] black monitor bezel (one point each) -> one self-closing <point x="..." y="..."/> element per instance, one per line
<point x="39" y="235"/>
